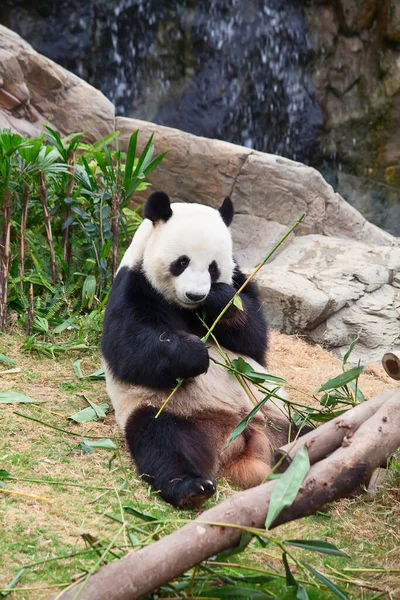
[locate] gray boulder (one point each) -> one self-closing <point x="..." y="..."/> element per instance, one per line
<point x="329" y="289"/>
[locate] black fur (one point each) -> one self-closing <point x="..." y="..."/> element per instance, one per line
<point x="227" y="211"/>
<point x="214" y="271"/>
<point x="176" y="456"/>
<point x="147" y="341"/>
<point x="157" y="207"/>
<point x="179" y="265"/>
<point x="244" y="333"/>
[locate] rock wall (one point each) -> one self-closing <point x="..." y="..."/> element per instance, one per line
<point x="338" y="275"/>
<point x="34" y="90"/>
<point x="356" y="72"/>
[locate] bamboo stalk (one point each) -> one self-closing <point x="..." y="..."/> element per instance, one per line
<point x="22" y="249"/>
<point x="5" y="260"/>
<point x="232" y="300"/>
<point x="250" y="277"/>
<point x="67" y="246"/>
<point x="25" y="495"/>
<point x="47" y="222"/>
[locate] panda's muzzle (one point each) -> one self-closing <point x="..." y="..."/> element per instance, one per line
<point x="195" y="297"/>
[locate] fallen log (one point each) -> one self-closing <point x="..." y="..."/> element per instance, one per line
<point x="391" y="364"/>
<point x="327" y="437"/>
<point x="336" y="476"/>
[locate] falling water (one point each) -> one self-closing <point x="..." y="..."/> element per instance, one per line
<point x="230" y="69"/>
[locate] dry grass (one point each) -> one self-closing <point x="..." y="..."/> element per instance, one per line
<point x="33" y="529"/>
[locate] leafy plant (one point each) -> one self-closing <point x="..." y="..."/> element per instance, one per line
<point x="66" y="204"/>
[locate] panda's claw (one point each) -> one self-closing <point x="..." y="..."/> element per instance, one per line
<point x="194" y="492"/>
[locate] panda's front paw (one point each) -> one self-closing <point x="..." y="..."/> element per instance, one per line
<point x="196" y="357"/>
<point x="219" y="296"/>
<point x="192" y="492"/>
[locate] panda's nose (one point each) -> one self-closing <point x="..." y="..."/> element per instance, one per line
<point x="195" y="297"/>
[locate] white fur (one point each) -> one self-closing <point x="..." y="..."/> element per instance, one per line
<point x="195" y="231"/>
<point x="199" y="233"/>
<point x="215" y="390"/>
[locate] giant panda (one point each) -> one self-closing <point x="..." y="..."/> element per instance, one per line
<point x="179" y="266"/>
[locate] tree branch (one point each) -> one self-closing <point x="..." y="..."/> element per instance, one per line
<point x="391" y="364"/>
<point x="146" y="570"/>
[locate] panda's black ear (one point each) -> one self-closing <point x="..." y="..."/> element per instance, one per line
<point x="227" y="211"/>
<point x="157" y="207"/>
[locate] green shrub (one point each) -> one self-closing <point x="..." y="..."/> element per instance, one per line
<point x="64" y="216"/>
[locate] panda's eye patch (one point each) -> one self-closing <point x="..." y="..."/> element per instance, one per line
<point x="214" y="271"/>
<point x="179" y="265"/>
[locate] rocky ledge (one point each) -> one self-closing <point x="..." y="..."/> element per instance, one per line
<point x="337" y="276"/>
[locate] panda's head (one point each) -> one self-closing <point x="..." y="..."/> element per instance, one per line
<point x="188" y="248"/>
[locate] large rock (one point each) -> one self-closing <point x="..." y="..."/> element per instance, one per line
<point x="35" y="91"/>
<point x="266" y="186"/>
<point x="338" y="275"/>
<point x="329" y="289"/>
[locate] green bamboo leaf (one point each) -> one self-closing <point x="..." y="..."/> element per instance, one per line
<point x="89" y="291"/>
<point x="290" y="580"/>
<point x="154" y="164"/>
<point x="78" y="369"/>
<point x="287" y="487"/>
<point x="97" y="409"/>
<point x="232" y="592"/>
<point x="5" y="474"/>
<point x="130" y="158"/>
<point x="325" y="417"/>
<point x="16" y="398"/>
<point x="327" y="582"/>
<point x="342" y="379"/>
<point x="104" y="443"/>
<point x="243" y="367"/>
<point x="244" y="422"/>
<point x="301" y="593"/>
<point x="142" y="157"/>
<point x="98" y="375"/>
<point x="137" y="513"/>
<point x="8" y="361"/>
<point x="237" y="301"/>
<point x="89" y="414"/>
<point x="350" y="350"/>
<point x="245" y="540"/>
<point x="14" y="582"/>
<point x="316" y="546"/>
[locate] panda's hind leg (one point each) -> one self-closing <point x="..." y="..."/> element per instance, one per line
<point x="177" y="456"/>
<point x="252" y="464"/>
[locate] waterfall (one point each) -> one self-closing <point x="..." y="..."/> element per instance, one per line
<point x="230" y="69"/>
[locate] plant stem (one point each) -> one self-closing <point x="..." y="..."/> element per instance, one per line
<point x="30" y="313"/>
<point x="250" y="277"/>
<point x="164" y="404"/>
<point x="221" y="314"/>
<point x="67" y="246"/>
<point x="81" y="435"/>
<point x="47" y="223"/>
<point x="7" y="491"/>
<point x="5" y="260"/>
<point x="63" y="483"/>
<point x="24" y="219"/>
<point x="115" y="228"/>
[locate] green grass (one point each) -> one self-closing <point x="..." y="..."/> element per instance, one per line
<point x="35" y="530"/>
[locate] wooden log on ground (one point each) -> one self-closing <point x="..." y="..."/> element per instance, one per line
<point x="391" y="364"/>
<point x="329" y="436"/>
<point x="147" y="569"/>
